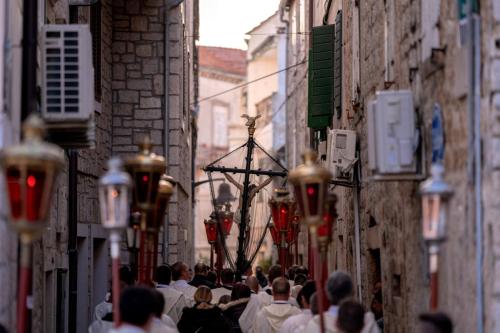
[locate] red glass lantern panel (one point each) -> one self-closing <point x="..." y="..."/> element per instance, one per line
<point x="146" y="184"/>
<point x="35" y="182"/>
<point x="228" y="224"/>
<point x="325" y="228"/>
<point x="211" y="230"/>
<point x="312" y="192"/>
<point x="14" y="188"/>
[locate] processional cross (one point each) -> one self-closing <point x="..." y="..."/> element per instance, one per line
<point x="248" y="190"/>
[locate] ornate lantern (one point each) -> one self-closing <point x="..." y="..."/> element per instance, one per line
<point x="30" y="169"/>
<point x="281" y="210"/>
<point x="435" y="194"/>
<point x="226" y="219"/>
<point x="114" y="197"/>
<point x="211" y="230"/>
<point x="114" y="189"/>
<point x="310" y="184"/>
<point x="325" y="229"/>
<point x="165" y="190"/>
<point x="145" y="169"/>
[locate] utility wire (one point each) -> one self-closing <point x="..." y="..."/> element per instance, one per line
<point x="250" y="82"/>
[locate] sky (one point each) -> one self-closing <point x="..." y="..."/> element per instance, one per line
<point x="225" y="22"/>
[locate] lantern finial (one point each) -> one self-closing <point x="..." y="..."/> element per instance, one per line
<point x="34" y="128"/>
<point x="146" y="144"/>
<point x="309" y="156"/>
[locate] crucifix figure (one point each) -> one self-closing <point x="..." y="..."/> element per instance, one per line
<point x="252" y="192"/>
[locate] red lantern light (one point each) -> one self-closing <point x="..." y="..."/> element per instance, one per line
<point x="226" y="218"/>
<point x="211" y="230"/>
<point x="325" y="229"/>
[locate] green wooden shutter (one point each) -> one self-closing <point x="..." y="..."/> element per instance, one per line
<point x="320" y="85"/>
<point x="337" y="66"/>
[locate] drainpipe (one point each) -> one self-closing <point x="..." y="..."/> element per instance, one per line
<point x="72" y="239"/>
<point x="474" y="111"/>
<point x="285" y="79"/>
<point x="29" y="43"/>
<point x="169" y="5"/>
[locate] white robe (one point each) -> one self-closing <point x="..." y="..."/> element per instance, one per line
<point x="330" y="317"/>
<point x="297" y="323"/>
<point x="270" y="318"/>
<point x="175" y="302"/>
<point x="217" y="293"/>
<point x="159" y="326"/>
<point x="102" y="309"/>
<point x="186" y="289"/>
<point x="247" y="318"/>
<point x="100" y="326"/>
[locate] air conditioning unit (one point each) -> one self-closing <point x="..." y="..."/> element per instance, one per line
<point x="342" y="154"/>
<point x="392" y="133"/>
<point x="68" y="85"/>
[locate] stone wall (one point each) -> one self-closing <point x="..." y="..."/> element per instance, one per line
<point x="392" y="249"/>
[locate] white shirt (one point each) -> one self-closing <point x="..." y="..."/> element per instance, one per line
<point x="175" y="302"/>
<point x="217" y="293"/>
<point x="330" y="316"/>
<point x="185" y="288"/>
<point x="160" y="327"/>
<point x="125" y="328"/>
<point x="270" y="318"/>
<point x="296" y="323"/>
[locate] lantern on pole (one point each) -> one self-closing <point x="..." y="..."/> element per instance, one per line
<point x="226" y="218"/>
<point x="146" y="169"/>
<point x="325" y="229"/>
<point x="114" y="187"/>
<point x="435" y="193"/>
<point x="133" y="238"/>
<point x="30" y="170"/>
<point x="282" y="209"/>
<point x="211" y="230"/>
<point x="310" y="183"/>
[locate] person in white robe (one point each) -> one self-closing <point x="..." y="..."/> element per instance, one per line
<point x="271" y="317"/>
<point x="175" y="301"/>
<point x="339" y="287"/>
<point x="180" y="277"/>
<point x="227" y="280"/>
<point x="297" y="323"/>
<point x="161" y="322"/>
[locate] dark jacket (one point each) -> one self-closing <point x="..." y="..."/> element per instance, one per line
<point x="200" y="280"/>
<point x="232" y="312"/>
<point x="203" y="321"/>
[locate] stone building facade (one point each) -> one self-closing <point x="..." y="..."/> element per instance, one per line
<point x="135" y="43"/>
<point x="415" y="45"/>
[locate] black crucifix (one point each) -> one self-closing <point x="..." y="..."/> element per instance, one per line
<point x="246" y="195"/>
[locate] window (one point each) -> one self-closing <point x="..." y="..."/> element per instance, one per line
<point x="95" y="30"/>
<point x="265" y="110"/>
<point x="220" y="124"/>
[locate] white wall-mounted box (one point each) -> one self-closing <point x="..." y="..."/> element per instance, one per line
<point x="342" y="154"/>
<point x="392" y="133"/>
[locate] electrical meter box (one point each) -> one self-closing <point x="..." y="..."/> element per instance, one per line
<point x="342" y="154"/>
<point x="392" y="133"/>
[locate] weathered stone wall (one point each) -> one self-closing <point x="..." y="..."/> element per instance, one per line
<point x="390" y="213"/>
<point x="141" y="101"/>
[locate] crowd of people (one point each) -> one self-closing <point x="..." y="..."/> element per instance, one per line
<point x="179" y="301"/>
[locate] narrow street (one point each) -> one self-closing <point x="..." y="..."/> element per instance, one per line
<point x="249" y="166"/>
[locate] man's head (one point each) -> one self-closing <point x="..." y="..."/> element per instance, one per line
<point x="338" y="287"/>
<point x="274" y="272"/>
<point x="437" y="322"/>
<point x="137" y="306"/>
<point x="252" y="283"/>
<point x="350" y="318"/>
<point x="313" y="303"/>
<point x="180" y="271"/>
<point x="212" y="277"/>
<point x="159" y="303"/>
<point x="281" y="289"/>
<point x="227" y="276"/>
<point x="200" y="269"/>
<point x="301" y="270"/>
<point x="304" y="296"/>
<point x="300" y="279"/>
<point x="126" y="277"/>
<point x="163" y="274"/>
<point x="240" y="291"/>
<point x="291" y="272"/>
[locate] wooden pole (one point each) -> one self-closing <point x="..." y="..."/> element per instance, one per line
<point x="24" y="288"/>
